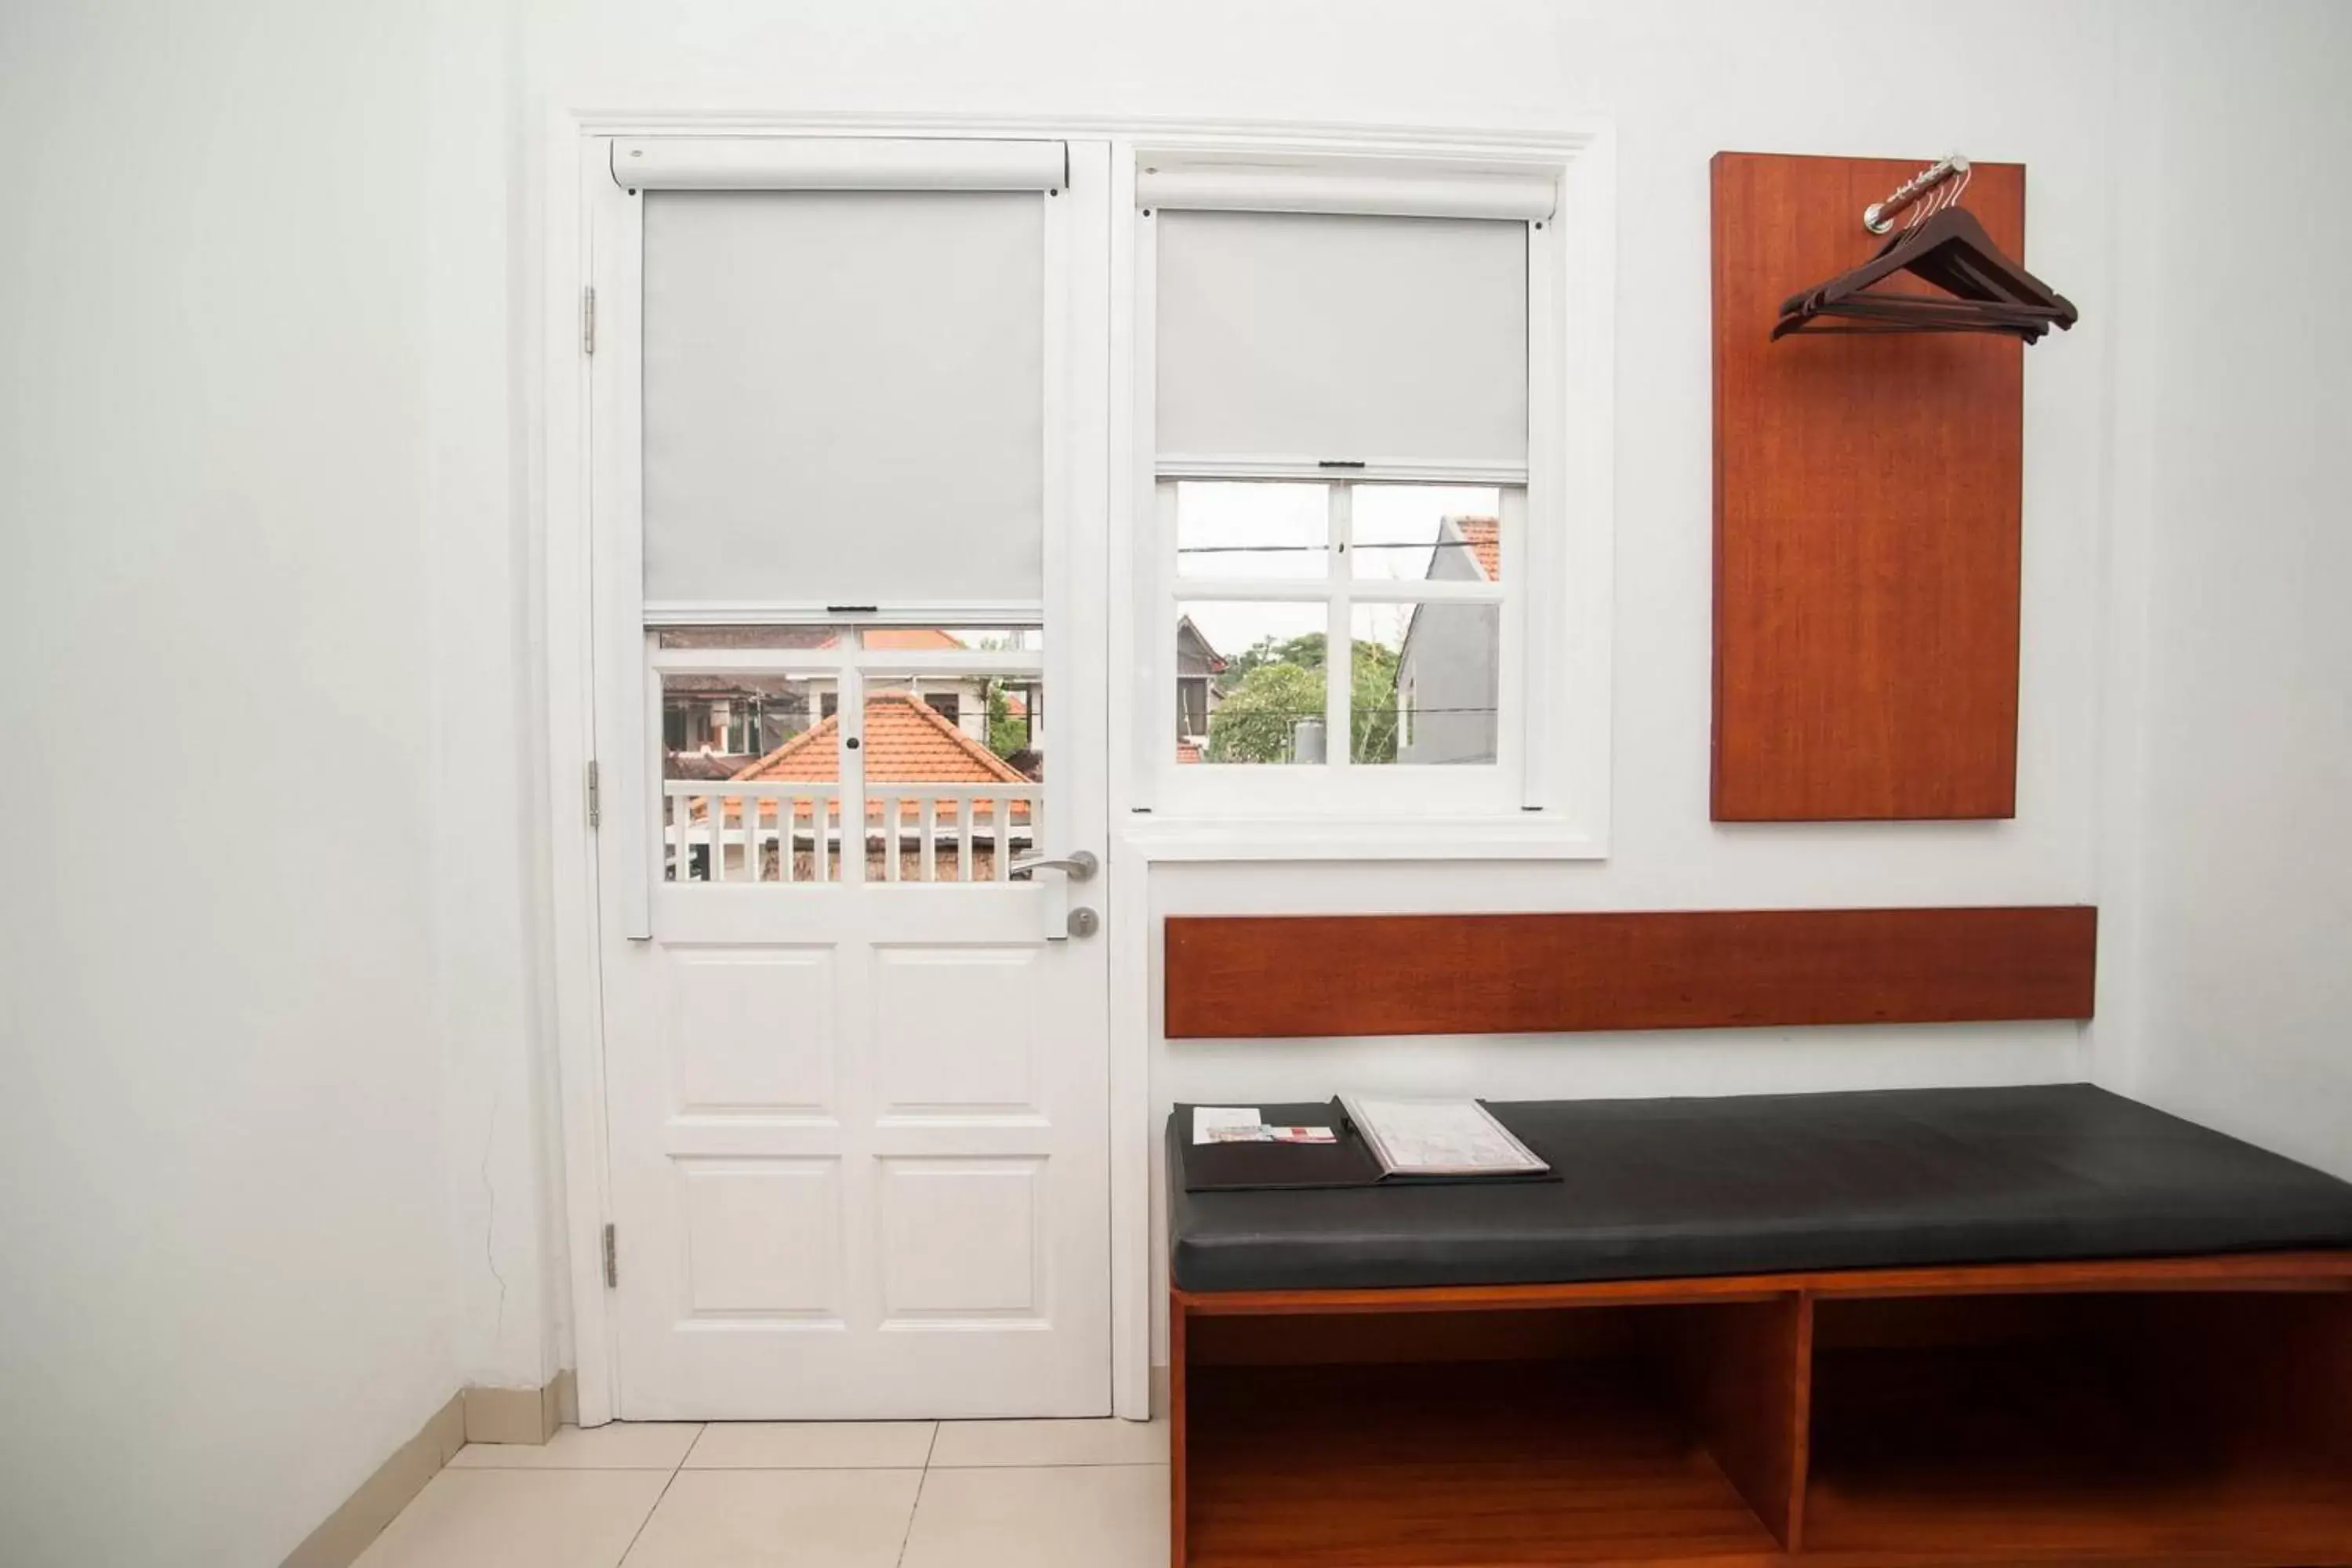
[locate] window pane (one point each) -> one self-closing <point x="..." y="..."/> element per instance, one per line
<point x="1426" y="683"/>
<point x="1250" y="682"/>
<point x="879" y="639"/>
<point x="955" y="773"/>
<point x="1252" y="530"/>
<point x="765" y="639"/>
<point x="750" y="768"/>
<point x="715" y="725"/>
<point x="1414" y="532"/>
<point x="950" y="639"/>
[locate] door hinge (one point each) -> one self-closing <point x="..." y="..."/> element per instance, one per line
<point x="612" y="1261"/>
<point x="596" y="799"/>
<point x="588" y="321"/>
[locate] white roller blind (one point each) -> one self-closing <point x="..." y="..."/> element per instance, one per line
<point x="843" y="395"/>
<point x="1315" y="335"/>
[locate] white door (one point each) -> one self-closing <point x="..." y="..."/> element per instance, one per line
<point x="849" y="480"/>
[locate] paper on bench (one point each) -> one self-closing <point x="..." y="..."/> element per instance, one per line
<point x="1438" y="1138"/>
<point x="1208" y="1119"/>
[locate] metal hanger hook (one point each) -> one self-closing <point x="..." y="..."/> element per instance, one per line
<point x="1953" y="190"/>
<point x="1879" y="216"/>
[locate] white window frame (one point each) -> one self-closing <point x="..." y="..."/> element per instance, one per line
<point x="1548" y="794"/>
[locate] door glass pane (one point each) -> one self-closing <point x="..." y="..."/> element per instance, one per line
<point x="1427" y="683"/>
<point x="751" y="773"/>
<point x="792" y="639"/>
<point x="955" y="775"/>
<point x="950" y="639"/>
<point x="1415" y="532"/>
<point x="1250" y="682"/>
<point x="1232" y="530"/>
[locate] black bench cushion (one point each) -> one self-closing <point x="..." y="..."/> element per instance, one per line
<point x="1765" y="1184"/>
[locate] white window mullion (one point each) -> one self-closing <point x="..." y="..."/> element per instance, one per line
<point x="1163" y="712"/>
<point x="1524" y="686"/>
<point x="1338" y="652"/>
<point x="850" y="736"/>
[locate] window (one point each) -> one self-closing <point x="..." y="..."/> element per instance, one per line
<point x="1355" y="572"/>
<point x="844" y="368"/>
<point x="1339" y="624"/>
<point x="946" y="798"/>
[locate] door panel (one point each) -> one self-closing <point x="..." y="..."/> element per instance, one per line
<point x="956" y="1031"/>
<point x="759" y="1237"/>
<point x="858" y="1127"/>
<point x="750" y="1029"/>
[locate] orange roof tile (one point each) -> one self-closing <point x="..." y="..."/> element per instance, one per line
<point x="1186" y="752"/>
<point x="907" y="639"/>
<point x="906" y="743"/>
<point x="1483" y="535"/>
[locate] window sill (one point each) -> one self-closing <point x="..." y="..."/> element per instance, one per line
<point x="1359" y="838"/>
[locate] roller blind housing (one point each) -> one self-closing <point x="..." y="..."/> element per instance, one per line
<point x="1341" y="337"/>
<point x="843" y="395"/>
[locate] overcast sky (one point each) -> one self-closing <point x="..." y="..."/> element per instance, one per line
<point x="1218" y="524"/>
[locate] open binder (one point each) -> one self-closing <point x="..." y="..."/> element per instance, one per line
<point x="1379" y="1141"/>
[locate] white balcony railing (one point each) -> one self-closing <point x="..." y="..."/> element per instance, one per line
<point x="783" y="832"/>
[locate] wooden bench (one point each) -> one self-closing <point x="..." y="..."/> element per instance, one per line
<point x="1343" y="1392"/>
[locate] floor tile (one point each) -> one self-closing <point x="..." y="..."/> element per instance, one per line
<point x="964" y="1444"/>
<point x="617" y="1446"/>
<point x="1108" y="1516"/>
<point x="812" y="1446"/>
<point x="779" y="1519"/>
<point x="517" y="1519"/>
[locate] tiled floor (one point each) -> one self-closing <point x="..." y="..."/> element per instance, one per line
<point x="742" y="1494"/>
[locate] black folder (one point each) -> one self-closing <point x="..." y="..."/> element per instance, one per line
<point x="1266" y="1166"/>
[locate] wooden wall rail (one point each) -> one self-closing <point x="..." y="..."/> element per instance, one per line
<point x="1245" y="977"/>
<point x="1868" y="494"/>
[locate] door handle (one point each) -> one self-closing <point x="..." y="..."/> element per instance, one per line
<point x="1079" y="865"/>
<point x="1053" y="892"/>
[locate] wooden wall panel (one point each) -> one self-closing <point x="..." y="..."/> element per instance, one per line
<point x="1866" y="518"/>
<point x="1242" y="977"/>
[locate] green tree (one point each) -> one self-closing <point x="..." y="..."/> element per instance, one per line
<point x="1255" y="721"/>
<point x="1280" y="682"/>
<point x="1006" y="734"/>
<point x="1305" y="651"/>
<point x="1372" y="718"/>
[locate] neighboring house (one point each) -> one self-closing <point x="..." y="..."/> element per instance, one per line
<point x="908" y="745"/>
<point x="1197" y="666"/>
<point x="713" y="725"/>
<point x="962" y="702"/>
<point x="1448" y="679"/>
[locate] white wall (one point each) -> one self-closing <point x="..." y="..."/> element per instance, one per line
<point x="1680" y="82"/>
<point x="225" y="1294"/>
<point x="2233" y="659"/>
<point x="280" y="1149"/>
<point x="488" y="786"/>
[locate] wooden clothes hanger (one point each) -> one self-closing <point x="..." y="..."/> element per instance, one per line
<point x="1982" y="290"/>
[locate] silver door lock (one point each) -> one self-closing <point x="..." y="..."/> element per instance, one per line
<point x="1085" y="922"/>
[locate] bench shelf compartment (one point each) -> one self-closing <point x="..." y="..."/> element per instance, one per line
<point x="2189" y="1410"/>
<point x="2143" y="1428"/>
